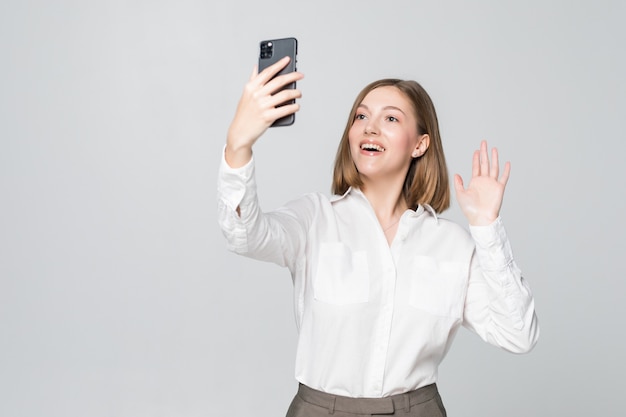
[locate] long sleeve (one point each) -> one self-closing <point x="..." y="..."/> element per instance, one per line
<point x="499" y="305"/>
<point x="277" y="236"/>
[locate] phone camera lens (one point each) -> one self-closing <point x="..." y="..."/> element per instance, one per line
<point x="266" y="50"/>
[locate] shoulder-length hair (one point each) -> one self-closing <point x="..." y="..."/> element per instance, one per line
<point x="426" y="181"/>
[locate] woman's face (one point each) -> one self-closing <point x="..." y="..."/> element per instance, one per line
<point x="383" y="136"/>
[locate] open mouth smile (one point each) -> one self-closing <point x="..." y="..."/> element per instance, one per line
<point x="372" y="147"/>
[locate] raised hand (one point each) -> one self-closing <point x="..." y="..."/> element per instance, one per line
<point x="482" y="199"/>
<point x="257" y="110"/>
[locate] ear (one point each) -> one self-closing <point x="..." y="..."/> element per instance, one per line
<point x="422" y="145"/>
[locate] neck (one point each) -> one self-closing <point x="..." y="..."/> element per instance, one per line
<point x="387" y="201"/>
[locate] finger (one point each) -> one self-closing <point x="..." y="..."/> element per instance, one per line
<point x="476" y="164"/>
<point x="495" y="165"/>
<point x="281" y="81"/>
<point x="505" y="175"/>
<point x="284" y="96"/>
<point x="268" y="73"/>
<point x="283" y="111"/>
<point x="255" y="72"/>
<point x="458" y="184"/>
<point x="484" y="159"/>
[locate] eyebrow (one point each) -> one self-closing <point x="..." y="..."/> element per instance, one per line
<point x="384" y="108"/>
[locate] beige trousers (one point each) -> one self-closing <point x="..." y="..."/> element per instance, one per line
<point x="423" y="402"/>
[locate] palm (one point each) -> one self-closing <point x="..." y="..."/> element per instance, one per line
<point x="482" y="199"/>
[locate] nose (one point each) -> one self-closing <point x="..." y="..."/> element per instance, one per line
<point x="371" y="128"/>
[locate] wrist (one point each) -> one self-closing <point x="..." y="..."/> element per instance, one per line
<point x="236" y="157"/>
<point x="482" y="221"/>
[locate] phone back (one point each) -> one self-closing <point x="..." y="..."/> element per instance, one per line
<point x="272" y="51"/>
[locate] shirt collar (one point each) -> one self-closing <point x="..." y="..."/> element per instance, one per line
<point x="337" y="197"/>
<point x="414" y="213"/>
<point x="432" y="211"/>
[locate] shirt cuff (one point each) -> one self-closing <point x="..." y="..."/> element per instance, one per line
<point x="492" y="245"/>
<point x="233" y="182"/>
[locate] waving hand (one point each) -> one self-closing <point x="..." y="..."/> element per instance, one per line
<point x="482" y="199"/>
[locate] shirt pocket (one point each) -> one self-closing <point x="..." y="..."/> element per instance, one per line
<point x="342" y="275"/>
<point x="438" y="287"/>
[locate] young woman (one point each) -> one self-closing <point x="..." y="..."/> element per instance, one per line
<point x="381" y="282"/>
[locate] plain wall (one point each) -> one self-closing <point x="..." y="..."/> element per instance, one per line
<point x="117" y="294"/>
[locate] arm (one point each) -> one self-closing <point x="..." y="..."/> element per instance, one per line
<point x="277" y="236"/>
<point x="274" y="236"/>
<point x="499" y="305"/>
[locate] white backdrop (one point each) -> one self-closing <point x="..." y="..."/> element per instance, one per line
<point x="117" y="295"/>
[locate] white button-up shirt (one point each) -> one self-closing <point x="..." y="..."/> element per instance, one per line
<point x="376" y="319"/>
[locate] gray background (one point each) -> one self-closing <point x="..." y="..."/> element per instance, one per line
<point x="117" y="295"/>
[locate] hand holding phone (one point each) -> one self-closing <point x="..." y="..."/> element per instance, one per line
<point x="266" y="100"/>
<point x="272" y="51"/>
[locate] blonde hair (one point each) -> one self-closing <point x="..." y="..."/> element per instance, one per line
<point x="426" y="181"/>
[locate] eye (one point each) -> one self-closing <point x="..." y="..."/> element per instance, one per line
<point x="392" y="119"/>
<point x="359" y="116"/>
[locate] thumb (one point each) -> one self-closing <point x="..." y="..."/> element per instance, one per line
<point x="458" y="183"/>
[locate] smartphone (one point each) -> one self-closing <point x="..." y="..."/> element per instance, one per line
<point x="274" y="50"/>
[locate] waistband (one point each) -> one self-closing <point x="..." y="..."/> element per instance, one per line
<point x="384" y="405"/>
